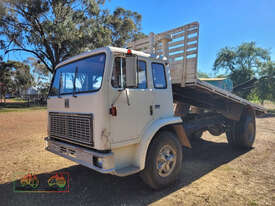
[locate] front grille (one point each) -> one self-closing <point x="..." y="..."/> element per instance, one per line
<point x="72" y="127"/>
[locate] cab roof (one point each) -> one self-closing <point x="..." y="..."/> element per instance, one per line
<point x="106" y="50"/>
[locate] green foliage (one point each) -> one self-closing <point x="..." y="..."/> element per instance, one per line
<point x="241" y="76"/>
<point x="222" y="76"/>
<point x="203" y="75"/>
<point x="241" y="63"/>
<point x="41" y="76"/>
<point x="15" y="77"/>
<point x="52" y="31"/>
<point x="253" y="96"/>
<point x="266" y="84"/>
<point x="21" y="76"/>
<point x="5" y="79"/>
<point x="243" y="57"/>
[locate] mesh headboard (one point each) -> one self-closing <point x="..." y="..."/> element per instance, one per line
<point x="183" y="50"/>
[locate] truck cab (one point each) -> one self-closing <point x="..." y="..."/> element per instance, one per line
<point x="98" y="119"/>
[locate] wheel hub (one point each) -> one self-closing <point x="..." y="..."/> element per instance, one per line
<point x="166" y="160"/>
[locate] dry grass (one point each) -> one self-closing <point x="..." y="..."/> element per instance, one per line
<point x="22" y="144"/>
<point x="248" y="179"/>
<point x="270" y="106"/>
<point x="213" y="173"/>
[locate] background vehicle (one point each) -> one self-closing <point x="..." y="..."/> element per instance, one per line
<point x="123" y="111"/>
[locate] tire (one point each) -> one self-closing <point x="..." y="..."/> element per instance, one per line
<point x="242" y="134"/>
<point x="156" y="178"/>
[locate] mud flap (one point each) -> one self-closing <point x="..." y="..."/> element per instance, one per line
<point x="182" y="135"/>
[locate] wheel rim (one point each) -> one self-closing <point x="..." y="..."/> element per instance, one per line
<point x="166" y="161"/>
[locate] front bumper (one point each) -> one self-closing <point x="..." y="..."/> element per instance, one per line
<point x="82" y="156"/>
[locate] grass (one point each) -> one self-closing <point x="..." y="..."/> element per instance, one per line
<point x="19" y="106"/>
<point x="16" y="100"/>
<point x="2" y="110"/>
<point x="252" y="203"/>
<point x="269" y="105"/>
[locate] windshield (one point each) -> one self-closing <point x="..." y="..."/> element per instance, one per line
<point x="84" y="75"/>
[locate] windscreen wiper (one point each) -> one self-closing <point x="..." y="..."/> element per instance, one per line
<point x="75" y="75"/>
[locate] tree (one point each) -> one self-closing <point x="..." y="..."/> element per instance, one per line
<point x="2" y="43"/>
<point x="222" y="76"/>
<point x="53" y="30"/>
<point x="40" y="75"/>
<point x="21" y="77"/>
<point x="266" y="85"/>
<point x="203" y="75"/>
<point x="241" y="63"/>
<point x="15" y="77"/>
<point x="5" y="80"/>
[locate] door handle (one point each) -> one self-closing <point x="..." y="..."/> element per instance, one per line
<point x="157" y="106"/>
<point x="151" y="110"/>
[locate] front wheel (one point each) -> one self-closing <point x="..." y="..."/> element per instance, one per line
<point x="163" y="161"/>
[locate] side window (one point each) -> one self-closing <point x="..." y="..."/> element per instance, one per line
<point x="120" y="63"/>
<point x="116" y="76"/>
<point x="159" y="77"/>
<point x="142" y="76"/>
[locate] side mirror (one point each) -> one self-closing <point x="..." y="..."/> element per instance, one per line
<point x="131" y="71"/>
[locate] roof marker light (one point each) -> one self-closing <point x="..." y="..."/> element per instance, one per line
<point x="129" y="51"/>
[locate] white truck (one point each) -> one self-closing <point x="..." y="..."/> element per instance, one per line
<point x="123" y="111"/>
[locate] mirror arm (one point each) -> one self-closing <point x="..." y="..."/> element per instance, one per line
<point x="127" y="96"/>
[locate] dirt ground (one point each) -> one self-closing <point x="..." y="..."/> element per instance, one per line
<point x="213" y="173"/>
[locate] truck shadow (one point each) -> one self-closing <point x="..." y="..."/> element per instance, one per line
<point x="91" y="188"/>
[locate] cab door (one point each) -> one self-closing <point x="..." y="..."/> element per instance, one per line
<point x="162" y="91"/>
<point x="133" y="105"/>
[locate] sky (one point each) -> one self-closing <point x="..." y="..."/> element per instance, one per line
<point x="222" y="23"/>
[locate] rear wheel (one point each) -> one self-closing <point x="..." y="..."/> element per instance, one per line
<point x="242" y="133"/>
<point x="163" y="161"/>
